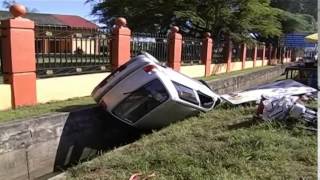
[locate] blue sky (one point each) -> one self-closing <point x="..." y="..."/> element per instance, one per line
<point x="71" y="7"/>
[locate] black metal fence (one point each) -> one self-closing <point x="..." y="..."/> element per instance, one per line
<point x="236" y="52"/>
<point x="191" y="50"/>
<point x="260" y="51"/>
<point x="250" y="52"/>
<point x="65" y="51"/>
<point x="218" y="52"/>
<point x="154" y="44"/>
<point x="1" y="64"/>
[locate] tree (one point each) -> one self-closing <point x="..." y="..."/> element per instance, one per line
<point x="297" y="6"/>
<point x="237" y="18"/>
<point x="297" y="15"/>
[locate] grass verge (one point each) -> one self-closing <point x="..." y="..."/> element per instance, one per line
<point x="226" y="143"/>
<point x="55" y="106"/>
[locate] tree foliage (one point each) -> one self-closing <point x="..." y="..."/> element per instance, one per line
<point x="297" y="6"/>
<point x="297" y="15"/>
<point x="240" y="19"/>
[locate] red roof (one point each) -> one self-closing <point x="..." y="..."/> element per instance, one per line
<point x="75" y="21"/>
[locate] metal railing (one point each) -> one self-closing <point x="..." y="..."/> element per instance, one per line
<point x="191" y="51"/>
<point x="218" y="53"/>
<point x="1" y="64"/>
<point x="250" y="52"/>
<point x="260" y="51"/>
<point x="236" y="52"/>
<point x="65" y="51"/>
<point x="154" y="44"/>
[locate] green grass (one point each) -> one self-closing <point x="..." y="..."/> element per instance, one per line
<point x="226" y="143"/>
<point x="235" y="73"/>
<point x="55" y="106"/>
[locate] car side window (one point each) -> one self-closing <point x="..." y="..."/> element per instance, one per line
<point x="141" y="101"/>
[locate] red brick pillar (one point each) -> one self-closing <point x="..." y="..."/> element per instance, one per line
<point x="206" y="53"/>
<point x="263" y="53"/>
<point x="243" y="55"/>
<point x="175" y="47"/>
<point x="18" y="47"/>
<point x="229" y="54"/>
<point x="255" y="50"/>
<point x="121" y="36"/>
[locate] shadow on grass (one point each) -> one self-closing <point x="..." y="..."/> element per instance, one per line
<point x="248" y="122"/>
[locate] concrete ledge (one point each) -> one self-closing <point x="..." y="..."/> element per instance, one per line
<point x="38" y="146"/>
<point x="5" y="96"/>
<point x="193" y="71"/>
<point x="35" y="147"/>
<point x="244" y="81"/>
<point x="62" y="88"/>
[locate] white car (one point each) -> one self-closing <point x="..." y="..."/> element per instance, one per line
<point x="145" y="94"/>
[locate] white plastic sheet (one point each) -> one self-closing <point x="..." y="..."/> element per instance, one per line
<point x="279" y="88"/>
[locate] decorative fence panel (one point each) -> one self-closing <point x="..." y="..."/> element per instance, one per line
<point x="65" y="51"/>
<point x="260" y="51"/>
<point x="236" y="52"/>
<point x="218" y="53"/>
<point x="191" y="50"/>
<point x="1" y="64"/>
<point x="154" y="44"/>
<point x="250" y="52"/>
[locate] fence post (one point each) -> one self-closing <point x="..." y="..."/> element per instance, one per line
<point x="275" y="53"/>
<point x="282" y="55"/>
<point x="255" y="50"/>
<point x="121" y="36"/>
<point x="206" y="54"/>
<point x="229" y="54"/>
<point x="290" y="58"/>
<point x="263" y="53"/>
<point x="243" y="55"/>
<point x="175" y="47"/>
<point x="18" y="47"/>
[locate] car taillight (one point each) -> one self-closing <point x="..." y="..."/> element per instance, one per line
<point x="149" y="68"/>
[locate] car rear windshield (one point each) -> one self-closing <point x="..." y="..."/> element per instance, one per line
<point x="141" y="101"/>
<point x="205" y="101"/>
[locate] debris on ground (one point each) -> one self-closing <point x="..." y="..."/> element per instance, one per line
<point x="279" y="88"/>
<point x="285" y="107"/>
